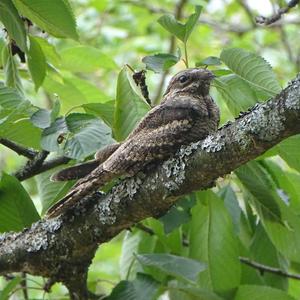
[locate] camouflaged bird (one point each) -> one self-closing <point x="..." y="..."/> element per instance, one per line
<point x="186" y="114"/>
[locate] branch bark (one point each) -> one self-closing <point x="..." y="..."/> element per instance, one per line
<point x="62" y="248"/>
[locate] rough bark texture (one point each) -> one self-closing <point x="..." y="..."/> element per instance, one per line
<point x="62" y="248"/>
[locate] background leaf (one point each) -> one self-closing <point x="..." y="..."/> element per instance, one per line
<point x="129" y="109"/>
<point x="13" y="23"/>
<point x="251" y="68"/>
<point x="17" y="209"/>
<point x="181" y="267"/>
<point x="55" y="16"/>
<point x="36" y="62"/>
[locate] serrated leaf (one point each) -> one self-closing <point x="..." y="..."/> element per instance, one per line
<point x="105" y="111"/>
<point x="85" y="59"/>
<point x="209" y="61"/>
<point x="36" y="62"/>
<point x="88" y="134"/>
<point x="237" y="93"/>
<point x="129" y="108"/>
<point x="181" y="31"/>
<point x="212" y="240"/>
<point x="143" y="287"/>
<point x="16" y="207"/>
<point x="55" y="16"/>
<point x="13" y="23"/>
<point x="160" y="62"/>
<point x="12" y="77"/>
<point x="258" y="292"/>
<point x="177" y="266"/>
<point x="252" y="68"/>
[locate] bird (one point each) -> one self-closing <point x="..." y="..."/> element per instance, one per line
<point x="186" y="114"/>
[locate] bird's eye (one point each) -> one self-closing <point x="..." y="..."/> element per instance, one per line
<point x="183" y="78"/>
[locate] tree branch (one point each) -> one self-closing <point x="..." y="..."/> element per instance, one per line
<point x="29" y="153"/>
<point x="263" y="268"/>
<point x="63" y="248"/>
<point x="277" y="16"/>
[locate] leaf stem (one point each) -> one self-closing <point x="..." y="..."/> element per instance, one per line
<point x="186" y="60"/>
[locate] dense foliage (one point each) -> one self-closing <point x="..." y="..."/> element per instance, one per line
<point x="67" y="90"/>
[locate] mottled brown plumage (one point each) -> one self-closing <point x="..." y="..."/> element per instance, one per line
<point x="186" y="114"/>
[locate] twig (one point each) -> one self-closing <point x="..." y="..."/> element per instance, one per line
<point x="33" y="165"/>
<point x="47" y="165"/>
<point x="178" y="15"/>
<point x="29" y="153"/>
<point x="144" y="228"/>
<point x="23" y="284"/>
<point x="277" y="16"/>
<point x="263" y="268"/>
<point x="248" y="11"/>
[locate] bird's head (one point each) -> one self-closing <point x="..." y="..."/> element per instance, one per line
<point x="194" y="81"/>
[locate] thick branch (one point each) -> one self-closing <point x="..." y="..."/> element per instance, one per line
<point x="62" y="248"/>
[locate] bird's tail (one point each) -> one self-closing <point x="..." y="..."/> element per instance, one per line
<point x="87" y="185"/>
<point x="75" y="172"/>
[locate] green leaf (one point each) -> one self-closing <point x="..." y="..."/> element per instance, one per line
<point x="12" y="77"/>
<point x="232" y="205"/>
<point x="257" y="292"/>
<point x="73" y="91"/>
<point x="85" y="59"/>
<point x="178" y="214"/>
<point x="209" y="61"/>
<point x="49" y="51"/>
<point x="179" y="292"/>
<point x="160" y="62"/>
<point x="10" y="99"/>
<point x="49" y="140"/>
<point x="236" y="93"/>
<point x="289" y="151"/>
<point x="22" y="132"/>
<point x="55" y="110"/>
<point x="177" y="266"/>
<point x="129" y="109"/>
<point x="279" y="220"/>
<point x="16" y="208"/>
<point x="7" y="290"/>
<point x="213" y="241"/>
<point x="251" y="68"/>
<point x="87" y="135"/>
<point x="55" y="16"/>
<point x="105" y="111"/>
<point x="181" y="31"/>
<point x="36" y="63"/>
<point x="41" y="118"/>
<point x="143" y="287"/>
<point x="259" y="183"/>
<point x="263" y="251"/>
<point x="13" y="23"/>
<point x="50" y="192"/>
